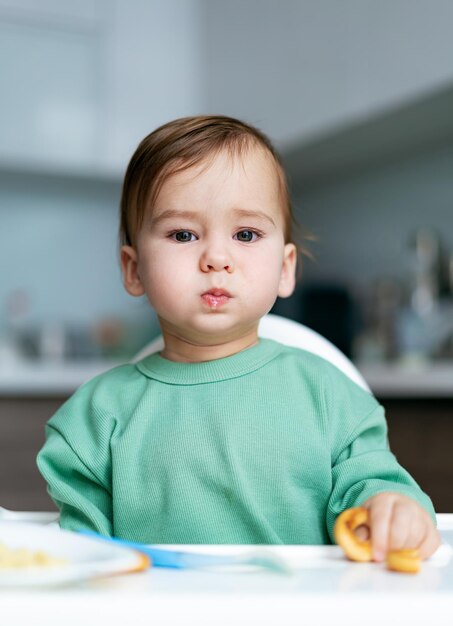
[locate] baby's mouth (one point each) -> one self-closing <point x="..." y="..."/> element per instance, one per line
<point x="215" y="298"/>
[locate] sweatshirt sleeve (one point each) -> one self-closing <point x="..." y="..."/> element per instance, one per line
<point x="362" y="463"/>
<point x="75" y="462"/>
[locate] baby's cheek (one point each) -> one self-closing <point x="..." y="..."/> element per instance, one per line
<point x="155" y="283"/>
<point x="264" y="294"/>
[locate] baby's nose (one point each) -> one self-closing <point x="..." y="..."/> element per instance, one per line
<point x="216" y="260"/>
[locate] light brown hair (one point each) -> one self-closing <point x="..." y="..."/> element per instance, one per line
<point x="177" y="146"/>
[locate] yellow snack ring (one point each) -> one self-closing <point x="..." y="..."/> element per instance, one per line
<point x="407" y="561"/>
<point x="345" y="525"/>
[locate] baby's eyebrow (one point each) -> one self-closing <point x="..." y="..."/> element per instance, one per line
<point x="194" y="215"/>
<point x="247" y="214"/>
<point x="173" y="213"/>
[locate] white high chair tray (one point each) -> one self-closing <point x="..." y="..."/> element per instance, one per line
<point x="325" y="589"/>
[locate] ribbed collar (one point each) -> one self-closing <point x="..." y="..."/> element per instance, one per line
<point x="244" y="362"/>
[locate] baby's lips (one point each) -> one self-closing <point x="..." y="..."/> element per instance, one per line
<point x="215" y="299"/>
<point x="217" y="292"/>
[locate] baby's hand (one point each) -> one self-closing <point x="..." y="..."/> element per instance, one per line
<point x="397" y="522"/>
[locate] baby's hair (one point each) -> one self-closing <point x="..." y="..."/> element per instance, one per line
<point x="179" y="145"/>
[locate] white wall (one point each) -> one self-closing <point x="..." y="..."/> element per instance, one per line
<point x="298" y="67"/>
<point x="365" y="223"/>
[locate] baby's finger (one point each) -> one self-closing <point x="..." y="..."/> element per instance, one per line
<point x="417" y="534"/>
<point x="400" y="528"/>
<point x="430" y="543"/>
<point x="379" y="520"/>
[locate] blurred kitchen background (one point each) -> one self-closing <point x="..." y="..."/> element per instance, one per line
<point x="357" y="96"/>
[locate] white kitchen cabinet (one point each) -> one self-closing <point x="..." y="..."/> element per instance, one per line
<point x="157" y="70"/>
<point x="52" y="68"/>
<point x="83" y="83"/>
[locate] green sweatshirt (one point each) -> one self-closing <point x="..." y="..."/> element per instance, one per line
<point x="266" y="446"/>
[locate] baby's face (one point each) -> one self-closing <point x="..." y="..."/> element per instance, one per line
<point x="211" y="255"/>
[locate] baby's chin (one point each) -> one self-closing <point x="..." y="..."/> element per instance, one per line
<point x="211" y="331"/>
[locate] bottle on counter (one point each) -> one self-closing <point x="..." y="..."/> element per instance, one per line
<point x="423" y="323"/>
<point x="378" y="341"/>
<point x="17" y="308"/>
<point x="426" y="271"/>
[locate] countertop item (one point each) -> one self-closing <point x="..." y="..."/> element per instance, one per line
<point x="325" y="589"/>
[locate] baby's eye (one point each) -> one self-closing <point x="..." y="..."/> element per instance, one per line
<point x="246" y="236"/>
<point x="183" y="236"/>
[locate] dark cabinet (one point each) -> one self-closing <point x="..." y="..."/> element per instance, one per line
<point x="22" y="422"/>
<point x="421" y="436"/>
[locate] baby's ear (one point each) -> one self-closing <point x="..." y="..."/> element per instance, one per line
<point x="129" y="268"/>
<point x="288" y="273"/>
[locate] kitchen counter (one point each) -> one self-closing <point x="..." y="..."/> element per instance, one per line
<point x="48" y="378"/>
<point x="429" y="380"/>
<point x="41" y="378"/>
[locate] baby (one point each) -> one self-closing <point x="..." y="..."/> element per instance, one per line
<point x="223" y="437"/>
